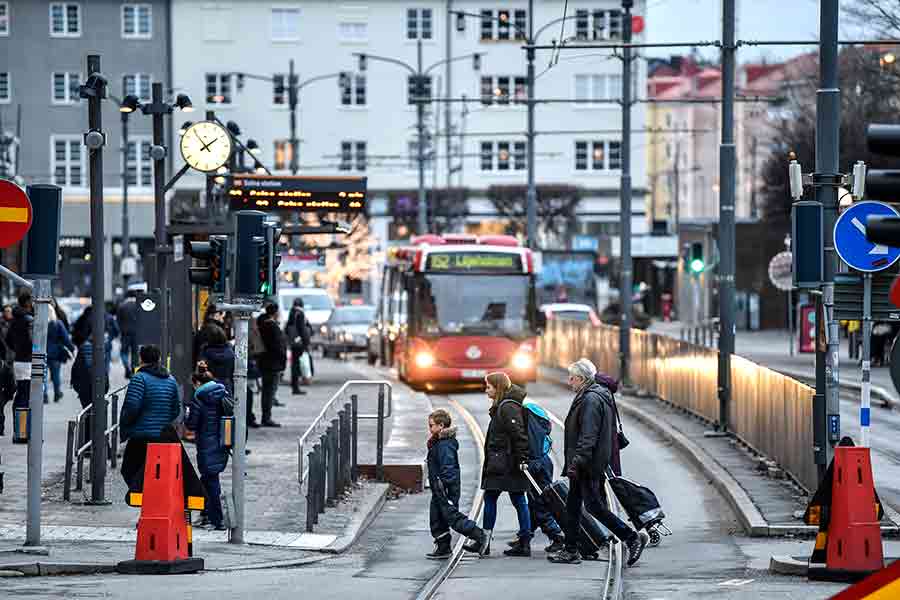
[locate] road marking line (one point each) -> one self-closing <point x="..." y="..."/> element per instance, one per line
<point x="736" y="582"/>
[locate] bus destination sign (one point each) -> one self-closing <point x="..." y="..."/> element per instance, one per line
<point x="457" y="262"/>
<point x="296" y="194"/>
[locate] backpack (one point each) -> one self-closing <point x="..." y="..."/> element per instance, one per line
<point x="227" y="404"/>
<point x="539" y="426"/>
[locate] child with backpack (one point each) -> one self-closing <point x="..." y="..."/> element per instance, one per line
<point x="444" y="479"/>
<point x="205" y="410"/>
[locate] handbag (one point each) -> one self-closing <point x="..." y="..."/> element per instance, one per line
<point x="305" y="366"/>
<point x="620" y="435"/>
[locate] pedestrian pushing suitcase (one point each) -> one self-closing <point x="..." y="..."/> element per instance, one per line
<point x="594" y="536"/>
<point x="641" y="505"/>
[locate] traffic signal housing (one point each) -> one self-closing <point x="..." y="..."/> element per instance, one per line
<point x="212" y="256"/>
<point x="249" y="236"/>
<point x="269" y="259"/>
<point x="883" y="184"/>
<point x="696" y="264"/>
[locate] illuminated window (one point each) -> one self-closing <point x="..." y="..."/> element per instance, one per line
<point x="137" y="84"/>
<point x="598" y="155"/>
<point x="67" y="160"/>
<point x="503" y="90"/>
<point x="418" y="23"/>
<point x="283" y="154"/>
<point x="353" y="156"/>
<point x="285" y="24"/>
<point x="218" y="88"/>
<point x="503" y="156"/>
<point x="65" y="88"/>
<point x="137" y="21"/>
<point x="65" y="19"/>
<point x="503" y="24"/>
<point x="4" y="18"/>
<point x="598" y="25"/>
<point x="5" y="88"/>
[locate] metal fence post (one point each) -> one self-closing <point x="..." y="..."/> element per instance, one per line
<point x="345" y="446"/>
<point x="379" y="449"/>
<point x="114" y="436"/>
<point x="70" y="458"/>
<point x="354" y="419"/>
<point x="311" y="493"/>
<point x="342" y="447"/>
<point x="333" y="462"/>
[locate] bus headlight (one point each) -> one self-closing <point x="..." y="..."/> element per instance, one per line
<point x="522" y="361"/>
<point x="424" y="359"/>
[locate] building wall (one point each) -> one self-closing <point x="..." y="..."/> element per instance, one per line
<point x="31" y="55"/>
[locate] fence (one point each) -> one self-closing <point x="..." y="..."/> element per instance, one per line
<point x="78" y="441"/>
<point x="327" y="451"/>
<point x="769" y="412"/>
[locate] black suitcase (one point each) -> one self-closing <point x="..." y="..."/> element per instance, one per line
<point x="639" y="502"/>
<point x="594" y="536"/>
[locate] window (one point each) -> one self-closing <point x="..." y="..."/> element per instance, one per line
<point x="353" y="155"/>
<point x="279" y="91"/>
<point x="605" y="155"/>
<point x="5" y="89"/>
<point x="353" y="90"/>
<point x="138" y="165"/>
<point x="65" y="19"/>
<point x="216" y="22"/>
<point x="598" y="87"/>
<point x="598" y="25"/>
<point x="218" y="88"/>
<point x="67" y="160"/>
<point x="412" y="93"/>
<point x="503" y="24"/>
<point x="137" y="84"/>
<point x="137" y="21"/>
<point x="503" y="156"/>
<point x="283" y="154"/>
<point x="418" y="24"/>
<point x="500" y="89"/>
<point x="65" y="88"/>
<point x="353" y="31"/>
<point x="285" y="24"/>
<point x="4" y="18"/>
<point x="413" y="153"/>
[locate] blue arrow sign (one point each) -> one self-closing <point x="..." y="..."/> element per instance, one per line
<point x="850" y="238"/>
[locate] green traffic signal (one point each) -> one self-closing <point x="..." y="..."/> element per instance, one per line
<point x="697" y="265"/>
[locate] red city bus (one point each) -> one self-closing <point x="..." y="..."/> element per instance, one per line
<point x="454" y="308"/>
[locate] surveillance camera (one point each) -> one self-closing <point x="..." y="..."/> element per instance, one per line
<point x="94" y="139"/>
<point x="157" y="152"/>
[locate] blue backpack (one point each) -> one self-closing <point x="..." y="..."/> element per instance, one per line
<point x="539" y="427"/>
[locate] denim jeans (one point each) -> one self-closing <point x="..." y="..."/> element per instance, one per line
<point x="128" y="352"/>
<point x="214" y="499"/>
<point x="54" y="366"/>
<point x="518" y="500"/>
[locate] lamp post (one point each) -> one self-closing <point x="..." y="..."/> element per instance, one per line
<point x="419" y="74"/>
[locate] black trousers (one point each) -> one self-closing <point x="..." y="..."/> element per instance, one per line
<point x="444" y="513"/>
<point x="296" y="352"/>
<point x="591" y="494"/>
<point x="269" y="387"/>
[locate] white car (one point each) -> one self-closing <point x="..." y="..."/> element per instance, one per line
<point x="317" y="304"/>
<point x="565" y="311"/>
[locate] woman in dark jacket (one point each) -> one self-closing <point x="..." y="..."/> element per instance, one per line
<point x="204" y="412"/>
<point x="219" y="357"/>
<point x="59" y="349"/>
<point x="505" y="454"/>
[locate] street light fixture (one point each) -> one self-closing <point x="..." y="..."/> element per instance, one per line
<point x="253" y="147"/>
<point x="183" y="102"/>
<point x="362" y="63"/>
<point x="184" y="127"/>
<point x="233" y="127"/>
<point x="129" y="104"/>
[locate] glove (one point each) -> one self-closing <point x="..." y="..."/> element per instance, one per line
<point x="572" y="471"/>
<point x="523" y="466"/>
<point x="535" y="465"/>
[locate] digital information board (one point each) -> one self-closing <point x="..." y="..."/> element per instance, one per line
<point x="296" y="194"/>
<point x="483" y="262"/>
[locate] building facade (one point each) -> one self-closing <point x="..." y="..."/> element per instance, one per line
<point x="43" y="59"/>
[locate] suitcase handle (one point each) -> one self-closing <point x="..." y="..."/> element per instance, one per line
<point x="534" y="483"/>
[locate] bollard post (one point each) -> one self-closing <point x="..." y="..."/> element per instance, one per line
<point x="310" y="492"/>
<point x="379" y="449"/>
<point x="79" y="473"/>
<point x="70" y="458"/>
<point x="345" y="446"/>
<point x="114" y="436"/>
<point x="342" y="450"/>
<point x="333" y="462"/>
<point x="354" y="419"/>
<point x="321" y="488"/>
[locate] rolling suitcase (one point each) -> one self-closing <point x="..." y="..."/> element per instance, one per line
<point x="641" y="505"/>
<point x="594" y="536"/>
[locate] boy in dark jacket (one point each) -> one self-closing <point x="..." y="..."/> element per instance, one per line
<point x="204" y="412"/>
<point x="444" y="479"/>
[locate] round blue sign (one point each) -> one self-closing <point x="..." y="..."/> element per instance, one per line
<point x="850" y="238"/>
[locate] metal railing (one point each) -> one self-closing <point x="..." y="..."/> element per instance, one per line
<point x="327" y="450"/>
<point x="770" y="413"/>
<point x="701" y="334"/>
<point x="78" y="441"/>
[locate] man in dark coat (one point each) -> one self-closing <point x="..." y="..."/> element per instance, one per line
<point x="297" y="332"/>
<point x="18" y="338"/>
<point x="127" y="316"/>
<point x="271" y="362"/>
<point x="590" y="425"/>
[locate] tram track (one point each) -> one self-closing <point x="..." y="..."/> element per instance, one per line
<point x="612" y="581"/>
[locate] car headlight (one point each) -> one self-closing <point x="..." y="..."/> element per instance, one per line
<point x="522" y="361"/>
<point x="424" y="359"/>
<point x="323" y="330"/>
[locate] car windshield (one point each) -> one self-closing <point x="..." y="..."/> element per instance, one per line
<point x="571" y="315"/>
<point x="353" y="315"/>
<point x="473" y="305"/>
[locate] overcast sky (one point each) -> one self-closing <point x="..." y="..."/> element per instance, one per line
<point x="687" y="20"/>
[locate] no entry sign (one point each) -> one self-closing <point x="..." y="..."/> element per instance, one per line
<point x="15" y="214"/>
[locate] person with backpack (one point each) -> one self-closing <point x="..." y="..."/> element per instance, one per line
<point x="203" y="414"/>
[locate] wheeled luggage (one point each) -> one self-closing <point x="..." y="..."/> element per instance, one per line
<point x="594" y="536"/>
<point x="641" y="505"/>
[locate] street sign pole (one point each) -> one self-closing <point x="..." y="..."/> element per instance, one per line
<point x="790" y="311"/>
<point x="866" y="400"/>
<point x="41" y="301"/>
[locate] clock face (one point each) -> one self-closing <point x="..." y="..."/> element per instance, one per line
<point x="206" y="146"/>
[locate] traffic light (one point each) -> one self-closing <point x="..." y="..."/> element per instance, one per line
<point x="883" y="184"/>
<point x="268" y="260"/>
<point x="212" y="270"/>
<point x="696" y="264"/>
<point x="249" y="237"/>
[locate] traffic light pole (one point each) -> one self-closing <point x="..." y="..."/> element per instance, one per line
<point x="159" y="109"/>
<point x="625" y="212"/>
<point x="293" y="93"/>
<point x="420" y="146"/>
<point x="41" y="299"/>
<point x="531" y="200"/>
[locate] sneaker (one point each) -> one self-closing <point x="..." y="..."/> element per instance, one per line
<point x="203" y="521"/>
<point x="558" y="544"/>
<point x="566" y="557"/>
<point x="645" y="537"/>
<point x="523" y="548"/>
<point x="635" y="547"/>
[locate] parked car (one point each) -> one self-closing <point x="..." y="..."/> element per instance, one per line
<point x="347" y="330"/>
<point x="565" y="311"/>
<point x="317" y="304"/>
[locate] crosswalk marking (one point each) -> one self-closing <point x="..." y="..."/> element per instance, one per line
<point x="736" y="582"/>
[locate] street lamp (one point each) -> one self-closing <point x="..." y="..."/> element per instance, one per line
<point x="253" y="148"/>
<point x="184" y="127"/>
<point x="183" y="102"/>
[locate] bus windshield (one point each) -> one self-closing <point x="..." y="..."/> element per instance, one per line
<point x="457" y="304"/>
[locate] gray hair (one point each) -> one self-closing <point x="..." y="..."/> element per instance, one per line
<point x="583" y="368"/>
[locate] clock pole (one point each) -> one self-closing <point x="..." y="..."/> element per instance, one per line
<point x="159" y="198"/>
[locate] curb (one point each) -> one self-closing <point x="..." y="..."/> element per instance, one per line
<point x="360" y="522"/>
<point x="789" y="565"/>
<point x="880" y="394"/>
<point x="43" y="569"/>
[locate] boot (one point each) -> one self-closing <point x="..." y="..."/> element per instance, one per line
<point x="441" y="548"/>
<point x="480" y="545"/>
<point x="523" y="548"/>
<point x="558" y="544"/>
<point x="566" y="557"/>
<point x="635" y="547"/>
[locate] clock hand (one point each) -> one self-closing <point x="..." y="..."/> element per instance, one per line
<point x="204" y="144"/>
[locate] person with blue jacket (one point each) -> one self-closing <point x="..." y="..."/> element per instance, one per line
<point x="59" y="349"/>
<point x="444" y="479"/>
<point x="152" y="404"/>
<point x="205" y="410"/>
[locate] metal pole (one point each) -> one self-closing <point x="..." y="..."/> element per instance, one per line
<point x="625" y="213"/>
<point x="292" y="102"/>
<point x="790" y="311"/>
<point x="354" y="443"/>
<point x="448" y="93"/>
<point x="726" y="216"/>
<point x="866" y="400"/>
<point x="238" y="465"/>
<point x="126" y="233"/>
<point x="98" y="337"/>
<point x="36" y="405"/>
<point x="531" y="200"/>
<point x="828" y="114"/>
<point x="159" y="197"/>
<point x="420" y="146"/>
<point x="379" y="448"/>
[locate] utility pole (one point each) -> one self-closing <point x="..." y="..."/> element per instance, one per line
<point x="448" y="94"/>
<point x="826" y="407"/>
<point x="95" y="140"/>
<point x="420" y="146"/>
<point x="754" y="211"/>
<point x="625" y="212"/>
<point x="676" y="180"/>
<point x="531" y="209"/>
<point x="158" y="109"/>
<point x="726" y="217"/>
<point x="126" y="238"/>
<point x="293" y="94"/>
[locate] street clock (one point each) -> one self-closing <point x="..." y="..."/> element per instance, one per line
<point x="206" y="146"/>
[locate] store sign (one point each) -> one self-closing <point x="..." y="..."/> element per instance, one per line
<point x="473" y="261"/>
<point x="297" y="194"/>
